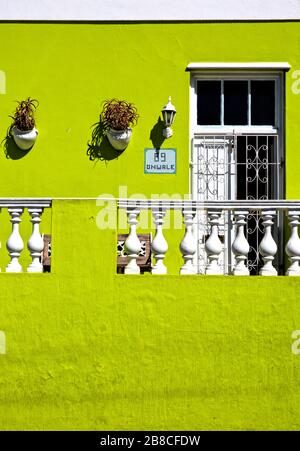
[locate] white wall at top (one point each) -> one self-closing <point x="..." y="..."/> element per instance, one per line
<point x="126" y="10"/>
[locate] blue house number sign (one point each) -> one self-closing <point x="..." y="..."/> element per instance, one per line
<point x="160" y="161"/>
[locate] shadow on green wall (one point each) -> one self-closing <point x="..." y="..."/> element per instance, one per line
<point x="99" y="147"/>
<point x="156" y="134"/>
<point x="11" y="150"/>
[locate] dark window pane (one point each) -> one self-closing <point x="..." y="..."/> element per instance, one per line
<point x="235" y="102"/>
<point x="263" y="102"/>
<point x="254" y="179"/>
<point x="208" y="102"/>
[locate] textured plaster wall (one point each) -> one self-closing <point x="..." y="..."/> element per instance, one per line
<point x="72" y="68"/>
<point x="85" y="348"/>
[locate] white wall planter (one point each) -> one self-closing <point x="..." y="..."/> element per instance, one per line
<point x="119" y="139"/>
<point x="24" y="139"/>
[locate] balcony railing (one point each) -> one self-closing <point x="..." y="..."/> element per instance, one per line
<point x="268" y="212"/>
<point x="14" y="243"/>
<point x="272" y="215"/>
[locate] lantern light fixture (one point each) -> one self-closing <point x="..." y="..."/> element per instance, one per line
<point x="168" y="113"/>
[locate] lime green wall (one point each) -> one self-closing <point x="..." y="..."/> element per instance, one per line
<point x="72" y="68"/>
<point x="87" y="349"/>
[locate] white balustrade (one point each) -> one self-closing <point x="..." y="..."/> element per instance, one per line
<point x="159" y="244"/>
<point x="268" y="247"/>
<point x="240" y="246"/>
<point x="213" y="244"/>
<point x="14" y="243"/>
<point x="253" y="214"/>
<point x="35" y="243"/>
<point x="188" y="245"/>
<point x="132" y="242"/>
<point x="293" y="245"/>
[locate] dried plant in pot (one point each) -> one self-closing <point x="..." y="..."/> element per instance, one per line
<point x="118" y="116"/>
<point x="23" y="127"/>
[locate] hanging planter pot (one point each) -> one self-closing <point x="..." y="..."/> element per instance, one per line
<point x="118" y="116"/>
<point x="119" y="139"/>
<point x="23" y="128"/>
<point x="24" y="139"/>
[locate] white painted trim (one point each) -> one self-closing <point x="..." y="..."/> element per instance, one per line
<point x="12" y="202"/>
<point x="275" y="75"/>
<point x="144" y="10"/>
<point x="238" y="66"/>
<point x="199" y="130"/>
<point x="270" y="204"/>
<point x="242" y="204"/>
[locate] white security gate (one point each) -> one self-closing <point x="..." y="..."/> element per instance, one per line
<point x="236" y="166"/>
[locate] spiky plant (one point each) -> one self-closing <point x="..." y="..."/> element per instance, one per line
<point x="23" y="117"/>
<point x="118" y="114"/>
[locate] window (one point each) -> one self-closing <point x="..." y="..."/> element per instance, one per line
<point x="236" y="102"/>
<point x="236" y="125"/>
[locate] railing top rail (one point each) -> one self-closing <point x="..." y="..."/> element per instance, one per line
<point x="211" y="205"/>
<point x="7" y="202"/>
<point x="172" y="204"/>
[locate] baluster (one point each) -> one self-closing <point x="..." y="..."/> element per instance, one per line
<point x="159" y="245"/>
<point x="188" y="245"/>
<point x="292" y="247"/>
<point x="132" y="243"/>
<point x="35" y="243"/>
<point x="213" y="244"/>
<point x="240" y="246"/>
<point x="14" y="243"/>
<point x="268" y="247"/>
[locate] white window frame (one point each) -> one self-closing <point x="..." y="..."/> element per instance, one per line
<point x="243" y="73"/>
<point x="278" y="77"/>
<point x="218" y="73"/>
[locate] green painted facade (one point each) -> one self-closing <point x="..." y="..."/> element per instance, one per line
<point x="72" y="68"/>
<point x="89" y="349"/>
